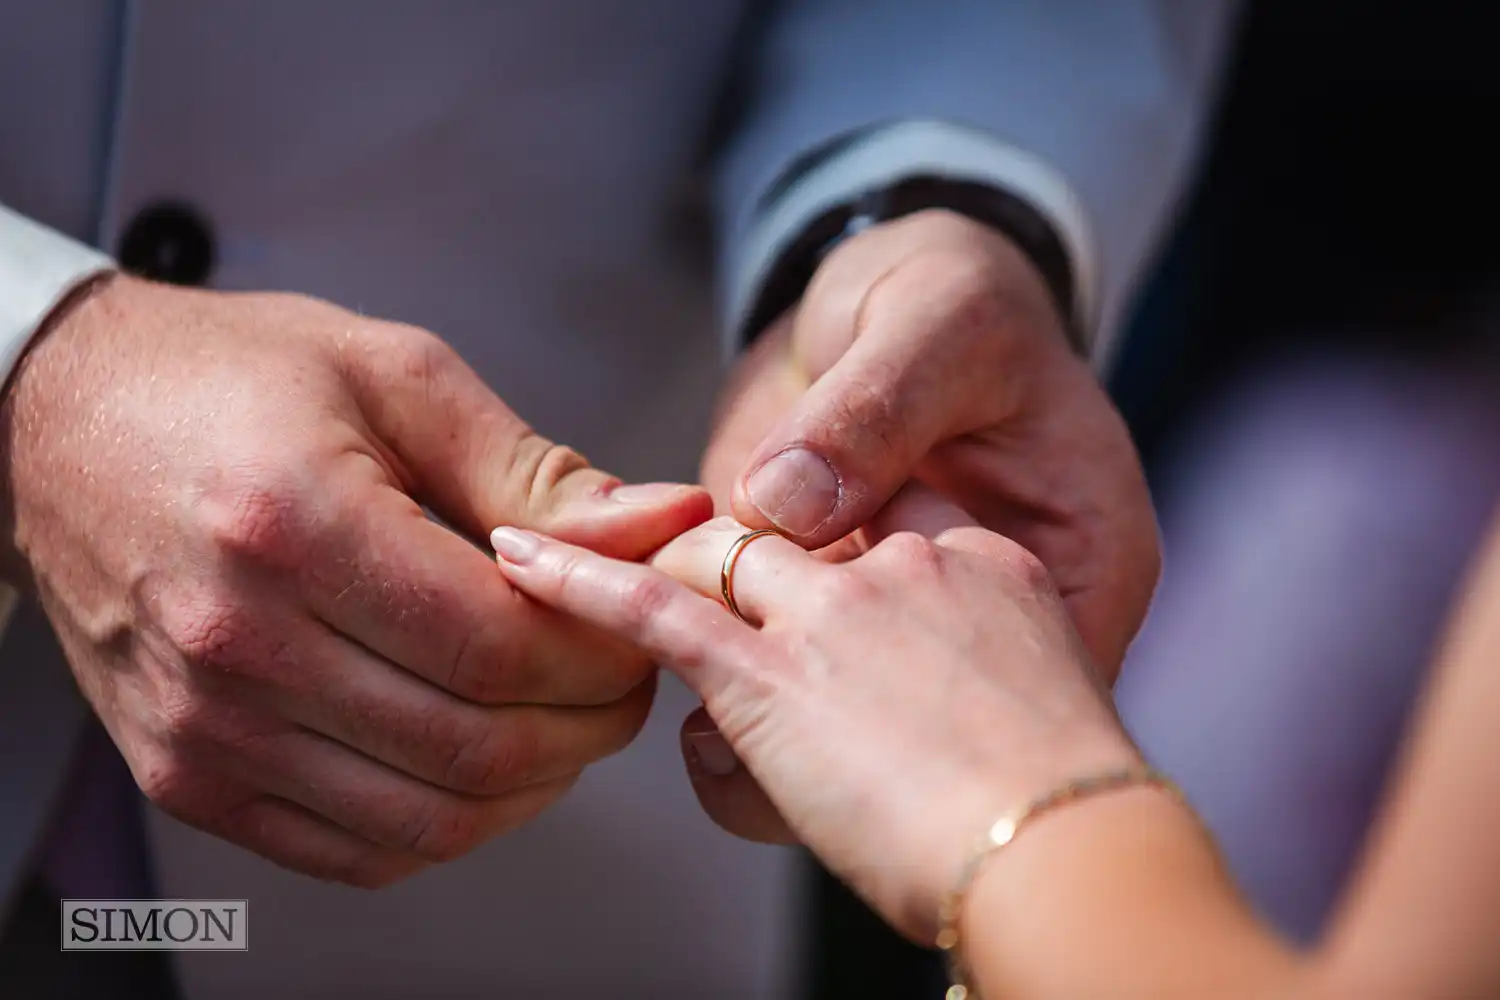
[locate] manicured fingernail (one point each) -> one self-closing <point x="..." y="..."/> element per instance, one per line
<point x="713" y="754"/>
<point x="644" y="494"/>
<point x="797" y="491"/>
<point x="514" y="545"/>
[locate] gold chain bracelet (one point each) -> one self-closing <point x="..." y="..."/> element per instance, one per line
<point x="1003" y="832"/>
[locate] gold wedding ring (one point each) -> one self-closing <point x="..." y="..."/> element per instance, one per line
<point x="726" y="572"/>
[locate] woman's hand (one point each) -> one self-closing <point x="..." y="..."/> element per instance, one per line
<point x="891" y="706"/>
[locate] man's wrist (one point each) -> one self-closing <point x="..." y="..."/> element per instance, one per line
<point x="1007" y="215"/>
<point x="882" y="156"/>
<point x="14" y="570"/>
<point x="39" y="268"/>
<point x="42" y="275"/>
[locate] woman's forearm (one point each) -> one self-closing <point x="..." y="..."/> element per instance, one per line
<point x="1120" y="897"/>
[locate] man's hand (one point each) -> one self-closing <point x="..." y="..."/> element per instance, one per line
<point x="929" y="348"/>
<point x="219" y="501"/>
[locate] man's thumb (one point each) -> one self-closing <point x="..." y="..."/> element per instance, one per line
<point x="853" y="439"/>
<point x="478" y="465"/>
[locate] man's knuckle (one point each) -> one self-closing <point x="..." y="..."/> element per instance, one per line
<point x="419" y="355"/>
<point x="633" y="708"/>
<point x="495" y="758"/>
<point x="514" y="756"/>
<point x="210" y="633"/>
<point x="441" y="831"/>
<point x="186" y="717"/>
<point x="969" y="285"/>
<point x="611" y="672"/>
<point x="545" y="465"/>
<point x="386" y="355"/>
<point x="258" y="520"/>
<point x="480" y="667"/>
<point x="166" y="779"/>
<point x="975" y="302"/>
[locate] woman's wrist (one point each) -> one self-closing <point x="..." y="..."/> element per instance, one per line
<point x="1118" y="895"/>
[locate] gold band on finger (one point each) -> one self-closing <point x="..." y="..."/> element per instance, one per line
<point x="726" y="572"/>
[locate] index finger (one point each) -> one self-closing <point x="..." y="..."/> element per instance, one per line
<point x="694" y="636"/>
<point x="422" y="597"/>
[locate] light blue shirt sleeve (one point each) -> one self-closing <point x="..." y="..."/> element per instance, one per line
<point x="1090" y="110"/>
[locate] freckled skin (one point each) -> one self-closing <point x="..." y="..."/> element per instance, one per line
<point x="218" y="500"/>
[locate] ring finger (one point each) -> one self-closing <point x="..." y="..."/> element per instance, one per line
<point x="762" y="575"/>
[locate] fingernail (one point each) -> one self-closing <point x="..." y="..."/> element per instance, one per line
<point x="713" y="754"/>
<point x="514" y="545"/>
<point x="644" y="494"/>
<point x="797" y="491"/>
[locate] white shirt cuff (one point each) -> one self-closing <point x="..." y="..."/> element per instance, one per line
<point x="888" y="155"/>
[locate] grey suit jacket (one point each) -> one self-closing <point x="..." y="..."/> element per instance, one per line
<point x="509" y="175"/>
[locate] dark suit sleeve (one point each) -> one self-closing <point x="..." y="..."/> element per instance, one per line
<point x="1090" y="110"/>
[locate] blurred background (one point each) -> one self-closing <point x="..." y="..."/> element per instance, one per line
<point x="1311" y="372"/>
<point x="1311" y="375"/>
